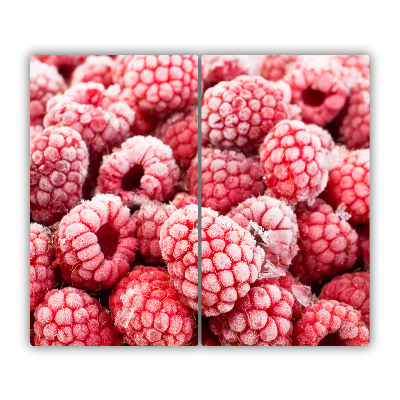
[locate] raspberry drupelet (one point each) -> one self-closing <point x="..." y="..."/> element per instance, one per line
<point x="42" y="277"/>
<point x="354" y="63"/>
<point x="58" y="166"/>
<point x="119" y="67"/>
<point x="227" y="178"/>
<point x="238" y="114"/>
<point x="261" y="318"/>
<point x="275" y="67"/>
<point x="95" y="243"/>
<point x="348" y="186"/>
<point x="325" y="137"/>
<point x="352" y="289"/>
<point x="183" y="199"/>
<point x="161" y="84"/>
<point x="330" y="323"/>
<point x="280" y="222"/>
<point x="70" y="317"/>
<point x="142" y="169"/>
<point x="45" y="82"/>
<point x="147" y="311"/>
<point x="293" y="162"/>
<point x="328" y="244"/>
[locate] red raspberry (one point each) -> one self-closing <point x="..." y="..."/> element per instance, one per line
<point x="355" y="124"/>
<point x="348" y="186"/>
<point x="261" y="318"/>
<point x="94" y="69"/>
<point x="179" y="249"/>
<point x="42" y="278"/>
<point x="227" y="178"/>
<point x="94" y="242"/>
<point x="147" y="311"/>
<point x="293" y="162"/>
<point x="351" y="63"/>
<point x="318" y="89"/>
<point x="58" y="167"/>
<point x="183" y="199"/>
<point x="163" y="83"/>
<point x="149" y="220"/>
<point x="70" y="317"/>
<point x="65" y="63"/>
<point x="352" y="289"/>
<point x="237" y="115"/>
<point x="88" y="93"/>
<point x="45" y="82"/>
<point x="328" y="244"/>
<point x="179" y="131"/>
<point x="325" y="137"/>
<point x="278" y="220"/>
<point x="275" y="67"/>
<point x="119" y="67"/>
<point x="142" y="169"/>
<point x="363" y="236"/>
<point x="231" y="261"/>
<point x="330" y="323"/>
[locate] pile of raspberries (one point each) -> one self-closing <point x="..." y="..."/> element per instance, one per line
<point x="283" y="178"/>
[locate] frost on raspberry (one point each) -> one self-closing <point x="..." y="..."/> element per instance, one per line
<point x="142" y="169"/>
<point x="275" y="67"/>
<point x="95" y="243"/>
<point x="293" y="163"/>
<point x="119" y="67"/>
<point x="58" y="167"/>
<point x="183" y="199"/>
<point x="147" y="311"/>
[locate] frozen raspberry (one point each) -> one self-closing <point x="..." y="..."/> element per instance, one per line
<point x="179" y="249"/>
<point x="227" y="178"/>
<point x="163" y="83"/>
<point x="70" y="317"/>
<point x="363" y="236"/>
<point x="293" y="162"/>
<point x="352" y="289"/>
<point x="58" y="167"/>
<point x="348" y="186"/>
<point x="183" y="199"/>
<point x="149" y="220"/>
<point x="318" y="89"/>
<point x="357" y="63"/>
<point x="328" y="244"/>
<point x="142" y="169"/>
<point x="95" y="246"/>
<point x="231" y="261"/>
<point x="330" y="323"/>
<point x="119" y="67"/>
<point x="147" y="311"/>
<point x="355" y="123"/>
<point x="89" y="93"/>
<point x="94" y="69"/>
<point x="42" y="278"/>
<point x="238" y="114"/>
<point x="325" y="137"/>
<point x="45" y="82"/>
<point x="33" y="130"/>
<point x="261" y="318"/>
<point x="179" y="131"/>
<point x="279" y="222"/>
<point x="275" y="67"/>
<point x="65" y="63"/>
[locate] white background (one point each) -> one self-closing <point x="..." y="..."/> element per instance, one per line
<point x="224" y="27"/>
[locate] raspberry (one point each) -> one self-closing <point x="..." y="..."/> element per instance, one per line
<point x="348" y="186"/>
<point x="318" y="89"/>
<point x="183" y="199"/>
<point x="179" y="249"/>
<point x="328" y="245"/>
<point x="231" y="261"/>
<point x="42" y="278"/>
<point x="147" y="311"/>
<point x="33" y="130"/>
<point x="119" y="67"/>
<point x="87" y="93"/>
<point x="261" y="318"/>
<point x="163" y="83"/>
<point x="293" y="162"/>
<point x="352" y="289"/>
<point x="58" y="167"/>
<point x="179" y="131"/>
<point x="330" y="323"/>
<point x="351" y="63"/>
<point x="355" y="124"/>
<point x="237" y="115"/>
<point x="94" y="69"/>
<point x="363" y="236"/>
<point x="149" y="220"/>
<point x="45" y="82"/>
<point x="65" y="63"/>
<point x="325" y="137"/>
<point x="274" y="67"/>
<point x="94" y="242"/>
<point x="142" y="169"/>
<point x="70" y="317"/>
<point x="227" y="177"/>
<point x="278" y="220"/>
